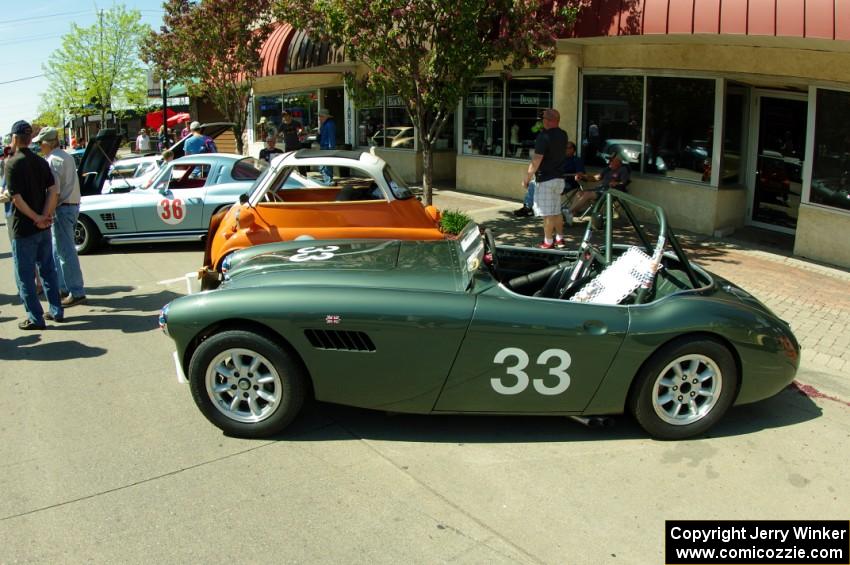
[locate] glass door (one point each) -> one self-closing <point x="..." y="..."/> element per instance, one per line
<point x="776" y="186"/>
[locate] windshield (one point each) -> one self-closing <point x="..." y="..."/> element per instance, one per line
<point x="471" y="249"/>
<point x="397" y="186"/>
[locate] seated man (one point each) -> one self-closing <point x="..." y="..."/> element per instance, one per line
<point x="615" y="176"/>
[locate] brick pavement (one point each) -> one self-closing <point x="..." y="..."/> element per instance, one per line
<point x="813" y="298"/>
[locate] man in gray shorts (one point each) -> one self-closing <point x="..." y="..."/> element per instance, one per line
<point x="547" y="168"/>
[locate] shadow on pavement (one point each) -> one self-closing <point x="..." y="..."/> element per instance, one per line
<point x="28" y="347"/>
<point x="165" y="247"/>
<point x="130" y="303"/>
<point x="330" y="422"/>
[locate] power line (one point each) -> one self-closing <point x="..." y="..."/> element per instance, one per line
<point x="21" y="79"/>
<point x="31" y="18"/>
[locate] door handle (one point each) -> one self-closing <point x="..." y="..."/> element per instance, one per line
<point x="595" y="327"/>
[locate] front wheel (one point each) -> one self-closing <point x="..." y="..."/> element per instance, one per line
<point x="245" y="384"/>
<point x="685" y="388"/>
<point x="86" y="235"/>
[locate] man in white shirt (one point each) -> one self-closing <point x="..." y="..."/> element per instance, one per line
<point x="143" y="142"/>
<point x="64" y="217"/>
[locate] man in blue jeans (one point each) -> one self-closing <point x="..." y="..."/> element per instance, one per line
<point x="33" y="189"/>
<point x="64" y="217"/>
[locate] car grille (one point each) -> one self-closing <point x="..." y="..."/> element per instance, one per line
<point x="339" y="340"/>
<point x="109" y="221"/>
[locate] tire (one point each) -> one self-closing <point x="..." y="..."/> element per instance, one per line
<point x="86" y="235"/>
<point x="684" y="388"/>
<point x="272" y="394"/>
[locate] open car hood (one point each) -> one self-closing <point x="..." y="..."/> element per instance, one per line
<point x="213" y="130"/>
<point x="94" y="166"/>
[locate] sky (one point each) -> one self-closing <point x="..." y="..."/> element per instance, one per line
<point x="29" y="33"/>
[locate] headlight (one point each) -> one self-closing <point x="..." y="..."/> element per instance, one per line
<point x="163" y="319"/>
<point x="225" y="266"/>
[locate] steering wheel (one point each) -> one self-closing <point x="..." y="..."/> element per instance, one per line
<point x="490" y="243"/>
<point x="581" y="273"/>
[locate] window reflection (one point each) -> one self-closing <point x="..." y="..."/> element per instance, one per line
<point x="831" y="163"/>
<point x="483" y="124"/>
<point x="679" y="127"/>
<point x="527" y="98"/>
<point x="612" y="113"/>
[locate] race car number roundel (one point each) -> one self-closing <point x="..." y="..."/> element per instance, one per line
<point x="171" y="211"/>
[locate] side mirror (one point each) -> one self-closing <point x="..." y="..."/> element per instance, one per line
<point x="243" y="198"/>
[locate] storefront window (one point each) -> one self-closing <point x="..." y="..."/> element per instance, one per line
<point x="483" y="122"/>
<point x="679" y="128"/>
<point x="302" y="105"/>
<point x="527" y="98"/>
<point x="734" y="134"/>
<point x="612" y="116"/>
<point x="831" y="163"/>
<point x="370" y="124"/>
<point x="267" y="115"/>
<point x="398" y="133"/>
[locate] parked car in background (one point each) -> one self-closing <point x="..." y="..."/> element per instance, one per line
<point x="397" y="137"/>
<point x="461" y="326"/>
<point x="133" y="172"/>
<point x="365" y="200"/>
<point x="630" y="150"/>
<point x="176" y="206"/>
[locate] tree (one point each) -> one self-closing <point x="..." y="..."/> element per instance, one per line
<point x="214" y="48"/>
<point x="429" y="51"/>
<point x="97" y="65"/>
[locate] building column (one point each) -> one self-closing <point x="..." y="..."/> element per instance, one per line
<point x="567" y="87"/>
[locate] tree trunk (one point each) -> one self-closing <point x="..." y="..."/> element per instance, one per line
<point x="427" y="173"/>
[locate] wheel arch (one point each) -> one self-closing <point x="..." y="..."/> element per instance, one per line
<point x="691" y="336"/>
<point x="252" y="326"/>
<point x="610" y="398"/>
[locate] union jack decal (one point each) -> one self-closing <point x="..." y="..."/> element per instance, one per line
<point x="329" y="319"/>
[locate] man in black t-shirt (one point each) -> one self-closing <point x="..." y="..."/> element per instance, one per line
<point x="547" y="168"/>
<point x="34" y="193"/>
<point x="289" y="131"/>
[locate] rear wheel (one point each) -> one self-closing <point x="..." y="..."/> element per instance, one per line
<point x="86" y="235"/>
<point x="685" y="388"/>
<point x="245" y="384"/>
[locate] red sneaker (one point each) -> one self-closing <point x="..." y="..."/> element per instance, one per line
<point x="559" y="243"/>
<point x="545" y="245"/>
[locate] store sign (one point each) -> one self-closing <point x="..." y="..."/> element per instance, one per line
<point x="483" y="100"/>
<point x="531" y="99"/>
<point x="395" y="101"/>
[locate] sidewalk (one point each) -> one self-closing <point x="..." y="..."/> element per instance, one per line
<point x="813" y="298"/>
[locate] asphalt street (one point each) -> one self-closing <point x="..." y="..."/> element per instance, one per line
<point x="104" y="458"/>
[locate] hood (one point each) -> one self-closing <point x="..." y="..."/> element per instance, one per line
<point x="425" y="265"/>
<point x="95" y="163"/>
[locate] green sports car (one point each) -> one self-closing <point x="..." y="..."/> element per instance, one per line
<point x="461" y="326"/>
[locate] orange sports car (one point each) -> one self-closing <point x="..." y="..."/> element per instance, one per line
<point x="313" y="194"/>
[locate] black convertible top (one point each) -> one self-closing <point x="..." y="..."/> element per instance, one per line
<point x="308" y="153"/>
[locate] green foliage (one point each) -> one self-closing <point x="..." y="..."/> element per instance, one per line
<point x="429" y="51"/>
<point x="214" y="48"/>
<point x="453" y="221"/>
<point x="99" y="62"/>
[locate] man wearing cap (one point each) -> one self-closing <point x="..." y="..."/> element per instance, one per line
<point x="32" y="186"/>
<point x="327" y="140"/>
<point x="198" y="142"/>
<point x="143" y="142"/>
<point x="64" y="217"/>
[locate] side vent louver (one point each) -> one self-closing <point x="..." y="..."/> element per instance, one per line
<point x="339" y="340"/>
